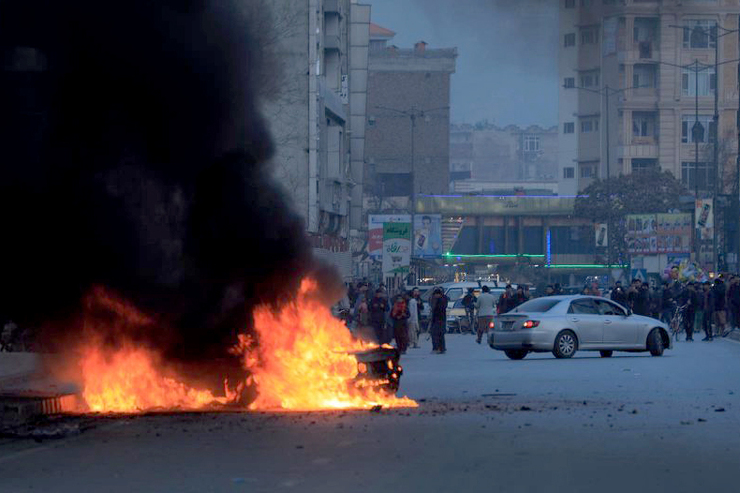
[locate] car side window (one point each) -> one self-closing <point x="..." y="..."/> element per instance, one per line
<point x="607" y="308"/>
<point x="583" y="307"/>
<point x="455" y="293"/>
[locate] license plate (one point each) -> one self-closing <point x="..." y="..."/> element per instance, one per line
<point x="508" y="325"/>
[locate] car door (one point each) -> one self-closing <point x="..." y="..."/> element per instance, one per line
<point x="587" y="320"/>
<point x="619" y="330"/>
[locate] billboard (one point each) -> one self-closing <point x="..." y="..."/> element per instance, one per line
<point x="658" y="233"/>
<point x="396" y="248"/>
<point x="428" y="236"/>
<point x="375" y="231"/>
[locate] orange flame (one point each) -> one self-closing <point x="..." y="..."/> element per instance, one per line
<point x="302" y="361"/>
<point x="130" y="380"/>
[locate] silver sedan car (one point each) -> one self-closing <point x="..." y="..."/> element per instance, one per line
<point x="566" y="324"/>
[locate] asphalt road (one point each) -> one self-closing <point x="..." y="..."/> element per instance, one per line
<point x="628" y="423"/>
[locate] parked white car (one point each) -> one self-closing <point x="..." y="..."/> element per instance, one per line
<point x="566" y="324"/>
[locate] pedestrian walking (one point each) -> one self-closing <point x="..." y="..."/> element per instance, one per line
<point x="506" y="301"/>
<point x="399" y="316"/>
<point x="485" y="305"/>
<point x="415" y="305"/>
<point x="468" y="302"/>
<point x="438" y="308"/>
<point x="687" y="298"/>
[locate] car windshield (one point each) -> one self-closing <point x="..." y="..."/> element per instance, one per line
<point x="458" y="304"/>
<point x="539" y="305"/>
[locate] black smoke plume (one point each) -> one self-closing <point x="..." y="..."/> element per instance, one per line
<point x="133" y="159"/>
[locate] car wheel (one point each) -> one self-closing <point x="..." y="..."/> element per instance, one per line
<point x="655" y="343"/>
<point x="566" y="345"/>
<point x="516" y="353"/>
<point x="606" y="354"/>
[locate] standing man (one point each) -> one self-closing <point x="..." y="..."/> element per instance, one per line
<point x="415" y="305"/>
<point x="720" y="312"/>
<point x="686" y="298"/>
<point x="506" y="301"/>
<point x="378" y="308"/>
<point x="468" y="302"/>
<point x="618" y="295"/>
<point x="733" y="300"/>
<point x="708" y="311"/>
<point x="485" y="306"/>
<point x="549" y="290"/>
<point x="400" y="316"/>
<point x="438" y="310"/>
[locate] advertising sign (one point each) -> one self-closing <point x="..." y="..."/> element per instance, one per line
<point x="428" y="236"/>
<point x="658" y="233"/>
<point x="602" y="238"/>
<point x="704" y="214"/>
<point x="375" y="231"/>
<point x="396" y="248"/>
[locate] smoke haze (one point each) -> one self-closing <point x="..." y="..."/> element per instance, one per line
<point x="508" y="51"/>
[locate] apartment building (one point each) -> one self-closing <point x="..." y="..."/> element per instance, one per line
<point x="632" y="74"/>
<point x="317" y="117"/>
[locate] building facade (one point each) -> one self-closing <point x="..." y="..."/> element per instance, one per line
<point x="508" y="155"/>
<point x="317" y="117"/>
<point x="632" y="74"/>
<point x="408" y="117"/>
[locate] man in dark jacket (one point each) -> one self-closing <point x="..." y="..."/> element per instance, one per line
<point x="378" y="307"/>
<point x="720" y="312"/>
<point x="438" y="309"/>
<point x="733" y="300"/>
<point x="618" y="294"/>
<point x="687" y="299"/>
<point x="708" y="299"/>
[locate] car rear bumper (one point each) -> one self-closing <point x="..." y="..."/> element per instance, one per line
<point x="520" y="339"/>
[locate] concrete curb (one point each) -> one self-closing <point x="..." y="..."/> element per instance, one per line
<point x="734" y="335"/>
<point x="20" y="407"/>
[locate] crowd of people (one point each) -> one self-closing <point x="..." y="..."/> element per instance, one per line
<point x="713" y="307"/>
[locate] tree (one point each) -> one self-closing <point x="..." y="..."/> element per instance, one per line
<point x="646" y="192"/>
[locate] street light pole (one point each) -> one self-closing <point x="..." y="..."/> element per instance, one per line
<point x="608" y="193"/>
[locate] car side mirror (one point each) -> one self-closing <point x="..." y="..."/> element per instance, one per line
<point x="629" y="311"/>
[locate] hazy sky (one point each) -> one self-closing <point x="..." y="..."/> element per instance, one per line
<point x="507" y="69"/>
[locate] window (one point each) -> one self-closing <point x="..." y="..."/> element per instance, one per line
<point x="589" y="169"/>
<point x="643" y="165"/>
<point x="589" y="125"/>
<point x="609" y="308"/>
<point x="455" y="293"/>
<point x="569" y="127"/>
<point x="590" y="79"/>
<point x="583" y="307"/>
<point x="395" y="184"/>
<point x="644" y="76"/>
<point x="569" y="173"/>
<point x="705" y="81"/>
<point x="537" y="305"/>
<point x="587" y="3"/>
<point x="370" y="121"/>
<point x="531" y="143"/>
<point x="589" y="35"/>
<point x="705" y="175"/>
<point x="570" y="4"/>
<point x="570" y="39"/>
<point x="644" y="124"/>
<point x="569" y="82"/>
<point x="705" y="134"/>
<point x="699" y="34"/>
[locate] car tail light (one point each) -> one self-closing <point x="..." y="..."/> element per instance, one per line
<point x="491" y="324"/>
<point x="530" y="324"/>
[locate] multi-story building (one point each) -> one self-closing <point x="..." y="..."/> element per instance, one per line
<point x="510" y="155"/>
<point x="640" y="52"/>
<point x="407" y="147"/>
<point x="317" y="117"/>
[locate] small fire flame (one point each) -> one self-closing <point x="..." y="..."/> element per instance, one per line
<point x="300" y="359"/>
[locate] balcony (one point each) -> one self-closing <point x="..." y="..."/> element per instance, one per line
<point x="639" y="149"/>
